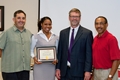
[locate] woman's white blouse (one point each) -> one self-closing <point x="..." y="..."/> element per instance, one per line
<point x="34" y="41"/>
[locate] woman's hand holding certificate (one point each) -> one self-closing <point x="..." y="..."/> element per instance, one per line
<point x="36" y="61"/>
<point x="55" y="62"/>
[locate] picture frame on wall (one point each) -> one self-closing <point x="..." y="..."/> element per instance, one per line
<point x="1" y="18"/>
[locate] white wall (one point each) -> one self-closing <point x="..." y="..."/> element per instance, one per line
<point x="30" y="7"/>
<point x="58" y="10"/>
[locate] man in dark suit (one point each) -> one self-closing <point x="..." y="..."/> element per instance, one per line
<point x="74" y="50"/>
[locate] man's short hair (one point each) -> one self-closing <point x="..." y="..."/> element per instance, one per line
<point x="19" y="11"/>
<point x="75" y="10"/>
<point x="103" y="18"/>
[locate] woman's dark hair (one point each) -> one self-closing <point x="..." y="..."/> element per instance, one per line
<point x="42" y="20"/>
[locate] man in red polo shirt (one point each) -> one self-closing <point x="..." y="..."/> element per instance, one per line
<point x="106" y="52"/>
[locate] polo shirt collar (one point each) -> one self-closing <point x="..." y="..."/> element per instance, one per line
<point x="104" y="34"/>
<point x="16" y="29"/>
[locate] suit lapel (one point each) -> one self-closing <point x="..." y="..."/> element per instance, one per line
<point x="79" y="33"/>
<point x="67" y="36"/>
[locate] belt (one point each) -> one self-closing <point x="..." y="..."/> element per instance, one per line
<point x="102" y="68"/>
<point x="68" y="67"/>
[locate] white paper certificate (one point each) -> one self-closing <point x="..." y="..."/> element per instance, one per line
<point x="46" y="53"/>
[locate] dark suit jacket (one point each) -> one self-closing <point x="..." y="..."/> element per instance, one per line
<point x="81" y="53"/>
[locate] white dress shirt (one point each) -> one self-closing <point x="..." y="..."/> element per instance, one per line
<point x="75" y="33"/>
<point x="34" y="41"/>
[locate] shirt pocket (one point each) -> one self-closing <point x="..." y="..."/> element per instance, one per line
<point x="14" y="38"/>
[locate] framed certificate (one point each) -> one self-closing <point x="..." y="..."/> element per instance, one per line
<point x="46" y="53"/>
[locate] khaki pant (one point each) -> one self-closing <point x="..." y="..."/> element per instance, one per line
<point x="102" y="74"/>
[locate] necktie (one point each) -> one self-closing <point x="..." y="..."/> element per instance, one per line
<point x="71" y="43"/>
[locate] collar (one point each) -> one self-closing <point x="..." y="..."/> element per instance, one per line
<point x="103" y="35"/>
<point x="16" y="29"/>
<point x="75" y="29"/>
<point x="41" y="32"/>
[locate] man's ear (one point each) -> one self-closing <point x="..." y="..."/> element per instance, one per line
<point x="107" y="25"/>
<point x="13" y="19"/>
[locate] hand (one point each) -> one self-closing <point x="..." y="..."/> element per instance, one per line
<point x="58" y="74"/>
<point x="109" y="78"/>
<point x="36" y="61"/>
<point x="55" y="62"/>
<point x="92" y="77"/>
<point x="87" y="76"/>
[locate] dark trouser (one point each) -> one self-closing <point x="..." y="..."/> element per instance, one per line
<point x="68" y="76"/>
<point x="22" y="75"/>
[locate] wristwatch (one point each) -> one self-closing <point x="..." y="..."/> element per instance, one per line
<point x="110" y="76"/>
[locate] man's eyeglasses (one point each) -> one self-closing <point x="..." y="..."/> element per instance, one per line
<point x="74" y="16"/>
<point x="101" y="23"/>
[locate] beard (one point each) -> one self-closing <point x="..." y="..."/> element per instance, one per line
<point x="74" y="23"/>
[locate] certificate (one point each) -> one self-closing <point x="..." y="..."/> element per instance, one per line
<point x="46" y="53"/>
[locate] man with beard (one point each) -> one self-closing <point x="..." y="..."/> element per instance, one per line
<point x="106" y="53"/>
<point x="74" y="50"/>
<point x="15" y="49"/>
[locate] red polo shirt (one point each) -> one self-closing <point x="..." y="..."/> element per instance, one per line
<point x="105" y="50"/>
